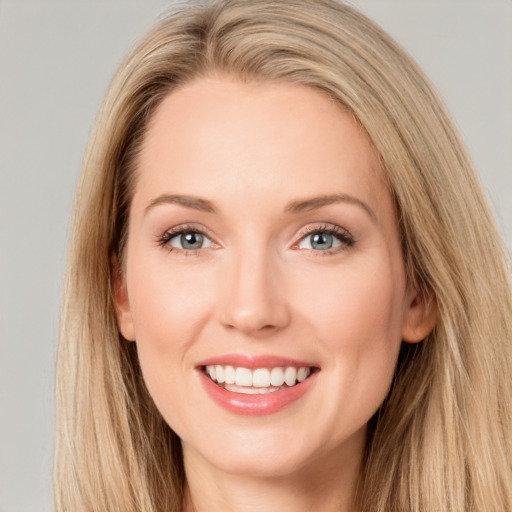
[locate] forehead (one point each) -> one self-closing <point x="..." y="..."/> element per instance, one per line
<point x="219" y="136"/>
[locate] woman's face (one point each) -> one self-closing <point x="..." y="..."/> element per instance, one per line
<point x="263" y="247"/>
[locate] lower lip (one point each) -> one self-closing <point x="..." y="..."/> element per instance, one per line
<point x="255" y="405"/>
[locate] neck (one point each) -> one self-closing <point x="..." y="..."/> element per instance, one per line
<point x="324" y="485"/>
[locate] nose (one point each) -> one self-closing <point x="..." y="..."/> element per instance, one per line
<point x="254" y="299"/>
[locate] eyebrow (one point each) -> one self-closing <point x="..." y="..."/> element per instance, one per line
<point x="195" y="203"/>
<point x="299" y="206"/>
<point x="314" y="203"/>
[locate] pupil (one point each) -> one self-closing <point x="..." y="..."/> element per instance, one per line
<point x="321" y="241"/>
<point x="192" y="241"/>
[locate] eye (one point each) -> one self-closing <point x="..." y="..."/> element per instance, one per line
<point x="189" y="241"/>
<point x="319" y="242"/>
<point x="185" y="239"/>
<point x="325" y="239"/>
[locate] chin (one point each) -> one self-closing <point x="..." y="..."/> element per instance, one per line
<point x="261" y="464"/>
<point x="271" y="453"/>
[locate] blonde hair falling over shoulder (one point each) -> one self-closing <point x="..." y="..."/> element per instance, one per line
<point x="442" y="441"/>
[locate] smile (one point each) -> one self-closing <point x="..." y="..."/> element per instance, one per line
<point x="258" y="380"/>
<point x="256" y="385"/>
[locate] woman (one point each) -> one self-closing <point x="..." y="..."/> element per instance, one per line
<point x="284" y="290"/>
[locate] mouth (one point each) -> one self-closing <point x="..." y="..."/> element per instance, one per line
<point x="257" y="381"/>
<point x="256" y="385"/>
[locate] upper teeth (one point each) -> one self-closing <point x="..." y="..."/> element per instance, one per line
<point x="259" y="377"/>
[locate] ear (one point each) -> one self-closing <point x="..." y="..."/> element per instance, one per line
<point x="122" y="304"/>
<point x="420" y="315"/>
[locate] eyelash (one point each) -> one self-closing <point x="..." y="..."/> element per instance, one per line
<point x="341" y="234"/>
<point x="164" y="239"/>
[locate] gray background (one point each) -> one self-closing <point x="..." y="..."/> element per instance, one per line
<point x="56" y="59"/>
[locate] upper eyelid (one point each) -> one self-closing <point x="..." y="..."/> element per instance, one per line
<point x="187" y="228"/>
<point x="324" y="227"/>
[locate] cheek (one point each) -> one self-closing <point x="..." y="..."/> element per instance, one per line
<point x="360" y="306"/>
<point x="356" y="320"/>
<point x="167" y="301"/>
<point x="169" y="308"/>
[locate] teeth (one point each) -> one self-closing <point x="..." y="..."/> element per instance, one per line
<point x="277" y="377"/>
<point x="259" y="380"/>
<point x="290" y="376"/>
<point x="229" y="375"/>
<point x="302" y="374"/>
<point x="243" y="377"/>
<point x="212" y="372"/>
<point x="247" y="390"/>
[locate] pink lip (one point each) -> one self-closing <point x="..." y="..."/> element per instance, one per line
<point x="254" y="405"/>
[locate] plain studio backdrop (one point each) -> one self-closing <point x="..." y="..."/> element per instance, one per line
<point x="56" y="59"/>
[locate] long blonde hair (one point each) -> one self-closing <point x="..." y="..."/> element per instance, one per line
<point x="442" y="441"/>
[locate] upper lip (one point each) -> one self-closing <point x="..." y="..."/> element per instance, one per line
<point x="255" y="361"/>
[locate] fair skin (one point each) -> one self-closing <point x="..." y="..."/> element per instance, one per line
<point x="229" y="262"/>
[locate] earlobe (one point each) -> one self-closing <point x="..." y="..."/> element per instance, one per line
<point x="122" y="304"/>
<point x="420" y="316"/>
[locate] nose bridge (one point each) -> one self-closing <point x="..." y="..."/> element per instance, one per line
<point x="254" y="302"/>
